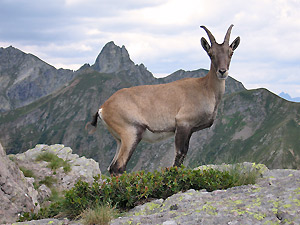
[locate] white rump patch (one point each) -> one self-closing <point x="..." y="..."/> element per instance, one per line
<point x="151" y="137"/>
<point x="100" y="113"/>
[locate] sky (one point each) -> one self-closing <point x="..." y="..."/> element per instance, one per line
<point x="164" y="35"/>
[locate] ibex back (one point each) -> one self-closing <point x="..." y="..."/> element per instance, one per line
<point x="156" y="112"/>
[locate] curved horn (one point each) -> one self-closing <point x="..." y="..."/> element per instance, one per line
<point x="211" y="37"/>
<point x="226" y="39"/>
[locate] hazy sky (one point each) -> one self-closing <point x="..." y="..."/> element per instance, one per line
<point x="163" y="35"/>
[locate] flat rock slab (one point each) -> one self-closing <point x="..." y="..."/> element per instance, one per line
<point x="48" y="222"/>
<point x="275" y="199"/>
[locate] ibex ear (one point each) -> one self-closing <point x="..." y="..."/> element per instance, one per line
<point x="205" y="44"/>
<point x="235" y="43"/>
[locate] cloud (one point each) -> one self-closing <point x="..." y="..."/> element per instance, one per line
<point x="162" y="34"/>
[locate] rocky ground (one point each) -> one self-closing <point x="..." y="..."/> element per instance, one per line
<point x="26" y="194"/>
<point x="274" y="199"/>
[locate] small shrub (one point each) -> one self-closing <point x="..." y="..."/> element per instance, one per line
<point x="50" y="211"/>
<point x="46" y="212"/>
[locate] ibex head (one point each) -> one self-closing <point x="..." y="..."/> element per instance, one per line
<point x="220" y="54"/>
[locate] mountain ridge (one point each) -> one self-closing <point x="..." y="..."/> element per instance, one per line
<point x="60" y="117"/>
<point x="24" y="78"/>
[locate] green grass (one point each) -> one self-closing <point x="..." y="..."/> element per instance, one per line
<point x="101" y="215"/>
<point x="54" y="161"/>
<point x="27" y="172"/>
<point x="49" y="181"/>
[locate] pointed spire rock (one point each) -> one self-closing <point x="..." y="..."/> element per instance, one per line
<point x="113" y="59"/>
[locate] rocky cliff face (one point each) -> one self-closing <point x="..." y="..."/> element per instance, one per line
<point x="25" y="78"/>
<point x="17" y="193"/>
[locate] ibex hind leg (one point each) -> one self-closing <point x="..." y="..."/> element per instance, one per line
<point x="116" y="154"/>
<point x="129" y="142"/>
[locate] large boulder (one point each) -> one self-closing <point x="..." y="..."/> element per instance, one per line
<point x="79" y="167"/>
<point x="17" y="193"/>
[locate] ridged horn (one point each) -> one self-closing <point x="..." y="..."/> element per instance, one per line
<point x="211" y="37"/>
<point x="227" y="36"/>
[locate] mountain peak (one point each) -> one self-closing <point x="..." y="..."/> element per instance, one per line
<point x="113" y="59"/>
<point x="286" y="96"/>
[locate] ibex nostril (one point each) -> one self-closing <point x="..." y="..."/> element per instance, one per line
<point x="222" y="72"/>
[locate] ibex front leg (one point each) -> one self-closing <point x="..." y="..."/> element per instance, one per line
<point x="182" y="139"/>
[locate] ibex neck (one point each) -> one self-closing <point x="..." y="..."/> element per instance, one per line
<point x="216" y="85"/>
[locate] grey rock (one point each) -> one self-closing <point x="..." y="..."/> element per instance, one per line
<point x="43" y="193"/>
<point x="49" y="221"/>
<point x="17" y="193"/>
<point x="81" y="167"/>
<point x="275" y="199"/>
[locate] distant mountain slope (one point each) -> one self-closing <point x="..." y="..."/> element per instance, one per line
<point x="251" y="125"/>
<point x="288" y="97"/>
<point x="25" y="78"/>
<point x="255" y="126"/>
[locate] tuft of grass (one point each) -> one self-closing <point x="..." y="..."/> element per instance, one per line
<point x="242" y="176"/>
<point x="27" y="172"/>
<point x="54" y="161"/>
<point x="48" y="181"/>
<point x="101" y="214"/>
<point x="46" y="156"/>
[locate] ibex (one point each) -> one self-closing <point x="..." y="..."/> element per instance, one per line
<point x="156" y="112"/>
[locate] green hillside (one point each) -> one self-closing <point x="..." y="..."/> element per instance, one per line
<point x="255" y="126"/>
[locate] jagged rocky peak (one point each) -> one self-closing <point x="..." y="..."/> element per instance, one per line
<point x="25" y="78"/>
<point x="113" y="59"/>
<point x="10" y="57"/>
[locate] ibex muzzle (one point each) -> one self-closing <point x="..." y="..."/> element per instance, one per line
<point x="156" y="112"/>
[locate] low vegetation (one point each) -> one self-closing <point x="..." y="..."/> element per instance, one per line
<point x="128" y="190"/>
<point x="101" y="214"/>
<point x="54" y="161"/>
<point x="27" y="172"/>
